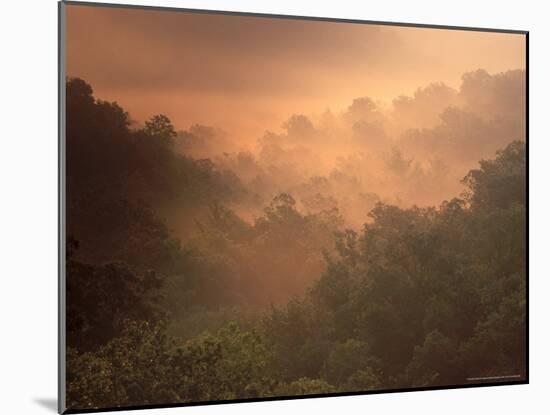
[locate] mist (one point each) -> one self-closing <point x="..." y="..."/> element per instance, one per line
<point x="413" y="152"/>
<point x="259" y="207"/>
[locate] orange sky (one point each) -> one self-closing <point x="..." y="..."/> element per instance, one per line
<point x="248" y="74"/>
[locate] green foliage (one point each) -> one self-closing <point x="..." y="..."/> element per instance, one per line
<point x="145" y="365"/>
<point x="420" y="297"/>
<point x="434" y="362"/>
<point x="305" y="386"/>
<point x="416" y="297"/>
<point x="346" y="360"/>
<point x="228" y="365"/>
<point x="100" y="297"/>
<point x="501" y="182"/>
<point x="132" y="367"/>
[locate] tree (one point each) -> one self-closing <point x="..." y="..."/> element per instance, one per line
<point x="501" y="182"/>
<point x="101" y="297"/>
<point x="160" y="126"/>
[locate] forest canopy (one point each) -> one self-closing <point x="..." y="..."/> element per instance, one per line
<point x="364" y="250"/>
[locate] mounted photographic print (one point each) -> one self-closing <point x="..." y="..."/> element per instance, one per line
<point x="258" y="207"/>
